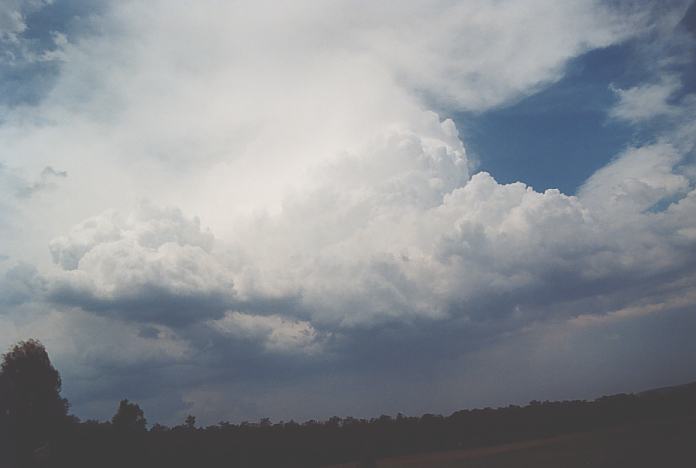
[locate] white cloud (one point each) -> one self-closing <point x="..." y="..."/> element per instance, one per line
<point x="478" y="54"/>
<point x="148" y="266"/>
<point x="368" y="246"/>
<point x="13" y="17"/>
<point x="314" y="162"/>
<point x="277" y="334"/>
<point x="16" y="48"/>
<point x="142" y="110"/>
<point x="637" y="180"/>
<point x="647" y="101"/>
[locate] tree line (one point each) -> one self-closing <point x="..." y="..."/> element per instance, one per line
<point x="37" y="430"/>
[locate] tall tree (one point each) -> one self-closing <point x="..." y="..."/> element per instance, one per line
<point x="31" y="408"/>
<point x="129" y="417"/>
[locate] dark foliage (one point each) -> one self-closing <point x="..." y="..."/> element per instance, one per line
<point x="129" y="418"/>
<point x="32" y="412"/>
<point x="125" y="441"/>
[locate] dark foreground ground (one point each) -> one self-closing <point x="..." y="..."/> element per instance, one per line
<point x="656" y="444"/>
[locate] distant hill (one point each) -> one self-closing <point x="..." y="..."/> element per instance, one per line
<point x="688" y="388"/>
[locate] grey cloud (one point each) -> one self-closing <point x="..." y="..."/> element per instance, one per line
<point x="689" y="19"/>
<point x="47" y="180"/>
<point x="49" y="171"/>
<point x="21" y="283"/>
<point x="15" y="185"/>
<point x="150" y="303"/>
<point x="549" y="361"/>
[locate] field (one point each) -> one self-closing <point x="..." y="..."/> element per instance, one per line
<point x="664" y="444"/>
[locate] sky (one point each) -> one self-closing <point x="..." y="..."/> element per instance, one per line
<point x="296" y="210"/>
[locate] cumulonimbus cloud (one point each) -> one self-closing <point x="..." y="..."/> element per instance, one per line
<point x="352" y="211"/>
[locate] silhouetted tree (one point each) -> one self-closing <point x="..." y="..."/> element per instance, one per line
<point x="159" y="428"/>
<point x="31" y="409"/>
<point x="128" y="437"/>
<point x="190" y="422"/>
<point x="129" y="417"/>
